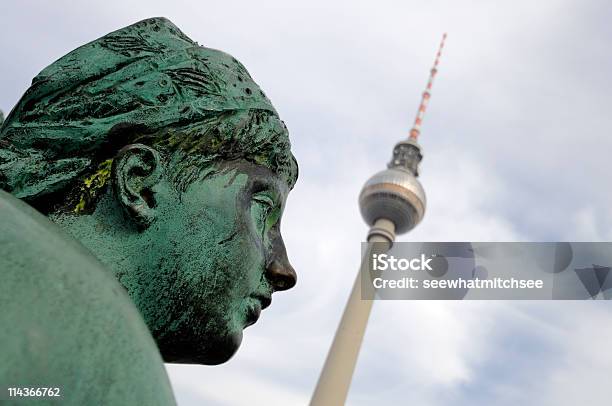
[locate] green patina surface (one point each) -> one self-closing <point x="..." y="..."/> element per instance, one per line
<point x="67" y="322"/>
<point x="170" y="166"/>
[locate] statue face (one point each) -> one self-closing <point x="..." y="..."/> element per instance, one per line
<point x="210" y="262"/>
<point x="200" y="263"/>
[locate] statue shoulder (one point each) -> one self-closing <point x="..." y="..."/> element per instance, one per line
<point x="67" y="322"/>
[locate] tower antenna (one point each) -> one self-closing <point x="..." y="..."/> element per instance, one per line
<point x="418" y="121"/>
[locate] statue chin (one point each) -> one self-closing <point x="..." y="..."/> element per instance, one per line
<point x="224" y="352"/>
<point x="213" y="352"/>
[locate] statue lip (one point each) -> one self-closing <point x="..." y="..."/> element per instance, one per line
<point x="255" y="307"/>
<point x="265" y="300"/>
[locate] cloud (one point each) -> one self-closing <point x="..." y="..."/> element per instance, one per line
<point x="216" y="389"/>
<point x="516" y="144"/>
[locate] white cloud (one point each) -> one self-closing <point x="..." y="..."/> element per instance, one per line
<point x="242" y="388"/>
<point x="516" y="144"/>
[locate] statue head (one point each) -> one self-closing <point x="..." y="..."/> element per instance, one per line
<point x="167" y="161"/>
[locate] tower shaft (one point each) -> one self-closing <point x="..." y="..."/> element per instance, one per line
<point x="335" y="379"/>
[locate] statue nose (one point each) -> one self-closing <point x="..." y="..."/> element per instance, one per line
<point x="281" y="275"/>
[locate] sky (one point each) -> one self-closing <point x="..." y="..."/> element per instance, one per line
<point x="516" y="147"/>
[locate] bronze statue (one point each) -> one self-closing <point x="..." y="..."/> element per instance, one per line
<point x="166" y="161"/>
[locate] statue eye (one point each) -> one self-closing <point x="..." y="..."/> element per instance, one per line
<point x="265" y="212"/>
<point x="264" y="200"/>
<point x="261" y="207"/>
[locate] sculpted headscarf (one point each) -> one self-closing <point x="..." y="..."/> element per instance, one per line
<point x="149" y="75"/>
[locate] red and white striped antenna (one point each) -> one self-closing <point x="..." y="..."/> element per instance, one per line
<point x="416" y="128"/>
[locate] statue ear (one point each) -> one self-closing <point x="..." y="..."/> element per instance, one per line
<point x="136" y="171"/>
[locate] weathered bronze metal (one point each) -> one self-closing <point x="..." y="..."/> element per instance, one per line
<point x="165" y="161"/>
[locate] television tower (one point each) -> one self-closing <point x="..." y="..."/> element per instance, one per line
<point x="391" y="202"/>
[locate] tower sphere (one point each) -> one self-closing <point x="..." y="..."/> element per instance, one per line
<point x="395" y="194"/>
